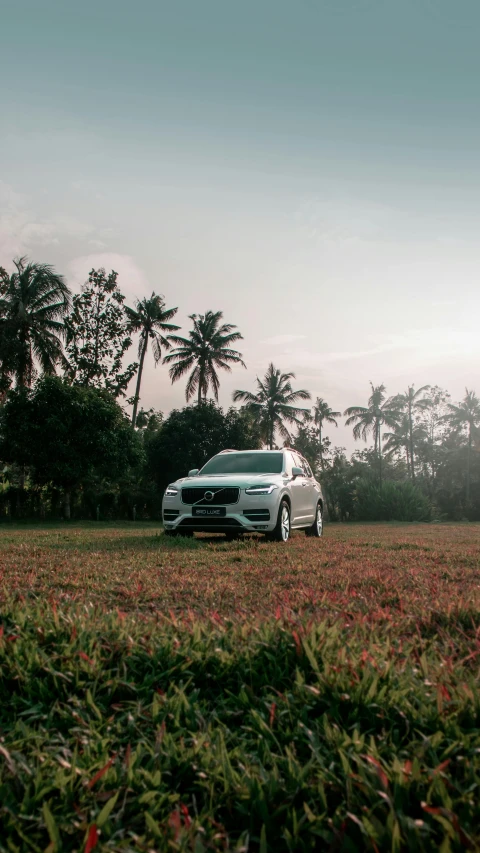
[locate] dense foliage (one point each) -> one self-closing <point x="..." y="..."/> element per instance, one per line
<point x="67" y="434"/>
<point x="424" y="463"/>
<point x="98" y="336"/>
<point x="390" y="501"/>
<point x="190" y="436"/>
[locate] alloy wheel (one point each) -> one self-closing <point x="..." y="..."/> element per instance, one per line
<point x="285" y="523"/>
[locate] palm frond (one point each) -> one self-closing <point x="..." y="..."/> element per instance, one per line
<point x="244" y="397"/>
<point x="192" y="384"/>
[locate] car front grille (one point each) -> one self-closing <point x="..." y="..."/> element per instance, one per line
<point x="221" y="496"/>
<point x="209" y="522"/>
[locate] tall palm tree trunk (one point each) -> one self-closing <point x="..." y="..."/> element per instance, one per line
<point x="139" y="382"/>
<point x="410" y="429"/>
<point x="24" y="374"/>
<point x="469" y="451"/>
<point x="380" y="452"/>
<point x="202" y="388"/>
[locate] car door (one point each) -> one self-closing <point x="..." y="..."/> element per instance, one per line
<point x="301" y="502"/>
<point x="311" y="489"/>
<point x="294" y="487"/>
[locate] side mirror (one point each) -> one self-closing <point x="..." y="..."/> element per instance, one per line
<point x="297" y="472"/>
<point x="193" y="472"/>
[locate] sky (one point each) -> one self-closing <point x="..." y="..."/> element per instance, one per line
<point x="309" y="168"/>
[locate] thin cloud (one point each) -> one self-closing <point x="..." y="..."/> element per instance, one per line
<point x="23" y="230"/>
<point x="419" y="346"/>
<point x="278" y="340"/>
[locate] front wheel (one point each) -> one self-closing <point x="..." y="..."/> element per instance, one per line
<point x="317" y="527"/>
<point x="281" y="532"/>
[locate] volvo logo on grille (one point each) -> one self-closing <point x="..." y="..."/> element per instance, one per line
<point x="209" y="496"/>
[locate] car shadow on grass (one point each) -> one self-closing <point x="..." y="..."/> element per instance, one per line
<point x="67" y="541"/>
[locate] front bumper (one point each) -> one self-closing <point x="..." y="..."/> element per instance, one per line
<point x="250" y="514"/>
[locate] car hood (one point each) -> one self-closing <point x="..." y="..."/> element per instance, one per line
<point x="220" y="481"/>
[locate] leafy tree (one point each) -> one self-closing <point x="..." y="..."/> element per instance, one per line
<point x="402" y="438"/>
<point x="411" y="403"/>
<point x="208" y="347"/>
<point x="98" y="336"/>
<point x="322" y="413"/>
<point x="149" y="420"/>
<point x="67" y="433"/>
<point x="151" y="319"/>
<point x="191" y="436"/>
<point x="34" y="300"/>
<point x="306" y="441"/>
<point x="371" y="418"/>
<point x="273" y="404"/>
<point x="434" y="423"/>
<point x="338" y="480"/>
<point x="466" y="414"/>
<point x="147" y="425"/>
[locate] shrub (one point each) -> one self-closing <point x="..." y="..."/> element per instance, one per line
<point x="390" y="501"/>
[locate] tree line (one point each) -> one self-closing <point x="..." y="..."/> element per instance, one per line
<point x="66" y="441"/>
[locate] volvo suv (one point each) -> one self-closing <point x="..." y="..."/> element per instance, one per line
<point x="246" y="491"/>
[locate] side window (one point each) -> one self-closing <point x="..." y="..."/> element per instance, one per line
<point x="298" y="461"/>
<point x="290" y="461"/>
<point x="305" y="466"/>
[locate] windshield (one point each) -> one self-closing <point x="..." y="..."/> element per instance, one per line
<point x="244" y="463"/>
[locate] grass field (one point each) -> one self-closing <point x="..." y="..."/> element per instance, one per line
<point x="172" y="695"/>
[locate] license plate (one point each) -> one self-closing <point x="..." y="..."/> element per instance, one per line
<point x="217" y="511"/>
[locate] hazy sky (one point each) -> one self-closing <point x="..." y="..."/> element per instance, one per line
<point x="310" y="168"/>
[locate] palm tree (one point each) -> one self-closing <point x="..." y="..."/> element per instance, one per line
<point x="371" y="418"/>
<point x="150" y="318"/>
<point x="322" y="413"/>
<point x="411" y="402"/>
<point x="207" y="348"/>
<point x="273" y="403"/>
<point x="401" y="439"/>
<point x="466" y="413"/>
<point x="33" y="302"/>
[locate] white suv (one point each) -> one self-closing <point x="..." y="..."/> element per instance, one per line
<point x="246" y="491"/>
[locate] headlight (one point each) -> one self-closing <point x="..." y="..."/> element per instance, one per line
<point x="260" y="490"/>
<point x="171" y="491"/>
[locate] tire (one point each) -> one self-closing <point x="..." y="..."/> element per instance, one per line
<point x="281" y="532"/>
<point x="316" y="529"/>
